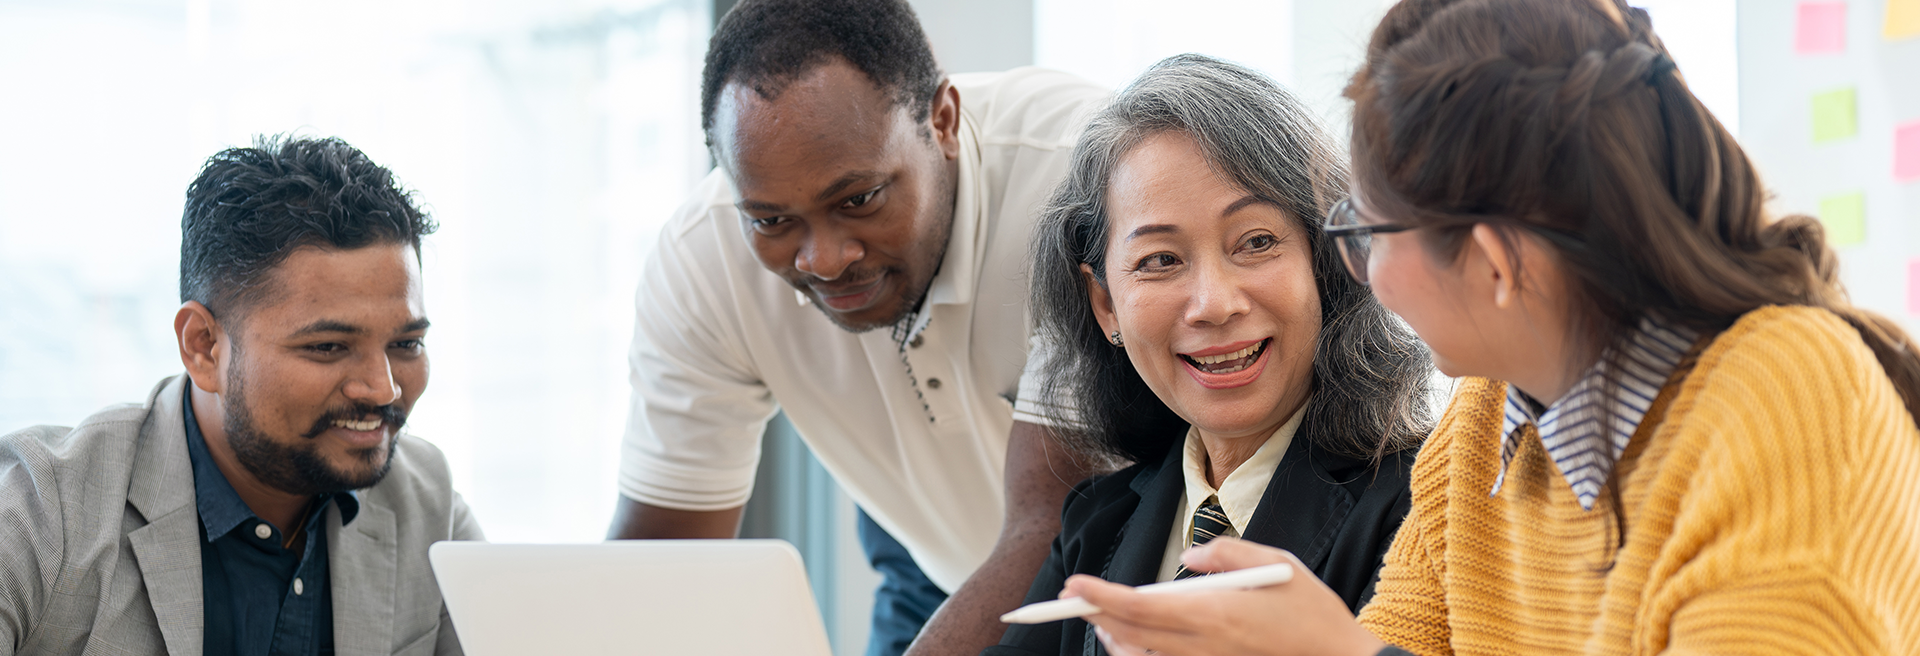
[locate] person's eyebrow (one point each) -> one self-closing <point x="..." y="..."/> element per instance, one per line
<point x="1243" y="204"/>
<point x="329" y="326"/>
<point x="844" y="181"/>
<point x="754" y="205"/>
<point x="416" y="325"/>
<point x="839" y="185"/>
<point x="1152" y="229"/>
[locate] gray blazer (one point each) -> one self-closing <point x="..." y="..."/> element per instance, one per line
<point x="100" y="542"/>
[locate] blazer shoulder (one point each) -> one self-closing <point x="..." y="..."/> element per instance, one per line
<point x="75" y="461"/>
<point x="113" y="428"/>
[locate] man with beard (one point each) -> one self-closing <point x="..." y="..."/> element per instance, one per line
<point x="266" y="502"/>
<point x="899" y="203"/>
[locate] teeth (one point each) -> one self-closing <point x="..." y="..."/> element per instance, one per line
<point x="362" y="425"/>
<point x="1234" y="369"/>
<point x="1216" y="359"/>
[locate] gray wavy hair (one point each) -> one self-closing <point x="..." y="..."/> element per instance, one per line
<point x="1372" y="378"/>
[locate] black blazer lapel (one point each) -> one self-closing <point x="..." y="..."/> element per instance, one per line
<point x="1143" y="541"/>
<point x="1304" y="506"/>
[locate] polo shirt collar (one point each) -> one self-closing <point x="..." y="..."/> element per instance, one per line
<point x="954" y="284"/>
<point x="1584" y="424"/>
<point x="221" y="508"/>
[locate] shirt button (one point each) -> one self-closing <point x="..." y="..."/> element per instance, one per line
<point x="299" y="588"/>
<point x="262" y="530"/>
<point x="917" y="341"/>
<point x="933" y="383"/>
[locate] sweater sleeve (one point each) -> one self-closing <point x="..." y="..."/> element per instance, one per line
<point x="1409" y="606"/>
<point x="1798" y="531"/>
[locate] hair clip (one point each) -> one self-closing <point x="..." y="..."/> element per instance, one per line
<point x="1661" y="65"/>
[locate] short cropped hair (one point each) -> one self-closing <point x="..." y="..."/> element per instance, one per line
<point x="767" y="44"/>
<point x="251" y="207"/>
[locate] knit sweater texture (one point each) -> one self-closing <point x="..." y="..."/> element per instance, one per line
<point x="1772" y="505"/>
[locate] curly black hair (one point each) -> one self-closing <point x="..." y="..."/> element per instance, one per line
<point x="766" y="44"/>
<point x="251" y="207"/>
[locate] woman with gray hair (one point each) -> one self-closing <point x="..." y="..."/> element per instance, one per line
<point x="1209" y="335"/>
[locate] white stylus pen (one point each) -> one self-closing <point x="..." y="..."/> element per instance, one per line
<point x="1244" y="579"/>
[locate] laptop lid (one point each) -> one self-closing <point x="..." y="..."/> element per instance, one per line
<point x="715" y="597"/>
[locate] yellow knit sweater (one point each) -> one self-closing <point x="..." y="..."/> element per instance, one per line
<point x="1772" y="506"/>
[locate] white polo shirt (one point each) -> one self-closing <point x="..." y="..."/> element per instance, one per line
<point x="720" y="342"/>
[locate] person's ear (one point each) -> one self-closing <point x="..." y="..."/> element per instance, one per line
<point x="203" y="345"/>
<point x="1498" y="268"/>
<point x="944" y="119"/>
<point x="1102" y="302"/>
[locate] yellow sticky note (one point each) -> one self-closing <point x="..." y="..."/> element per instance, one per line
<point x="1834" y="116"/>
<point x="1845" y="216"/>
<point x="1903" y="19"/>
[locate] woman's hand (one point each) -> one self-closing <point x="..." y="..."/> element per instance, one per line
<point x="1301" y="616"/>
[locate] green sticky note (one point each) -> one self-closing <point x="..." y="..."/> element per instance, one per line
<point x="1845" y="216"/>
<point x="1834" y="116"/>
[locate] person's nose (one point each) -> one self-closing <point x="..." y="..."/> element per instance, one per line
<point x="1218" y="297"/>
<point x="372" y="382"/>
<point x="827" y="252"/>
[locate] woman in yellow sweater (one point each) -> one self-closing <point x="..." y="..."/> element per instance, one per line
<point x="1675" y="436"/>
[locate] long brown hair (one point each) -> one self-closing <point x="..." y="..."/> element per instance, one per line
<point x="1566" y="119"/>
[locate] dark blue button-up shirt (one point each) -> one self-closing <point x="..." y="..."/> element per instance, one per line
<point x="261" y="599"/>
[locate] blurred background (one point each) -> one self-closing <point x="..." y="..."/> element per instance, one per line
<point x="552" y="138"/>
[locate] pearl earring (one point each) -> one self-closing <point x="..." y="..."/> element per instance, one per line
<point x="1116" y="339"/>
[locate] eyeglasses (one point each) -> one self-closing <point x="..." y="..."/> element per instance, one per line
<point x="1356" y="240"/>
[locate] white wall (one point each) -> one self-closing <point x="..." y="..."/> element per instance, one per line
<point x="1112" y="41"/>
<point x="978" y="35"/>
<point x="1776" y="89"/>
<point x="1314" y="46"/>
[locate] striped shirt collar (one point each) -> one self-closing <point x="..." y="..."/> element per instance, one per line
<point x="1573" y="430"/>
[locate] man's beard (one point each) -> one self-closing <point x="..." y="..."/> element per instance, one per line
<point x="300" y="469"/>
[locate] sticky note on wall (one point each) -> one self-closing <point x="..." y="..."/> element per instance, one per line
<point x="1834" y="116"/>
<point x="1903" y="20"/>
<point x="1906" y="152"/>
<point x="1913" y="286"/>
<point x="1845" y="216"/>
<point x="1821" y="28"/>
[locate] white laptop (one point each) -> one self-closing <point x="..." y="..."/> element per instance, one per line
<point x="710" y="597"/>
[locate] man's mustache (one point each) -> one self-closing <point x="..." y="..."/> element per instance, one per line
<point x="389" y="414"/>
<point x="847" y="279"/>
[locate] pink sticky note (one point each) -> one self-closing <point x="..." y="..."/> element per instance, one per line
<point x="1913" y="286"/>
<point x="1906" y="152"/>
<point x="1822" y="28"/>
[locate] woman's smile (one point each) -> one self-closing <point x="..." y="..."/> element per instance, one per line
<point x="1228" y="366"/>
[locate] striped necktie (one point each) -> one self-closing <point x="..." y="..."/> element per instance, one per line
<point x="1209" y="522"/>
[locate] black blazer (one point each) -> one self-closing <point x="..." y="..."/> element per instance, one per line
<point x="1333" y="512"/>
